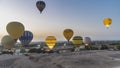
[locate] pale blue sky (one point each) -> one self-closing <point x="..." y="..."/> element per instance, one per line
<point x="84" y="17"/>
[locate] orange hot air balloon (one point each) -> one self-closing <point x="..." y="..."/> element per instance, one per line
<point x="15" y="29"/>
<point x="107" y="22"/>
<point x="40" y="5"/>
<point x="68" y="33"/>
<point x="50" y="41"/>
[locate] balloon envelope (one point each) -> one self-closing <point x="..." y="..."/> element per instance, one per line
<point x="8" y="42"/>
<point x="15" y="29"/>
<point x="107" y="22"/>
<point x="26" y="38"/>
<point x="68" y="33"/>
<point x="50" y="41"/>
<point x="77" y="40"/>
<point x="87" y="41"/>
<point x="40" y="5"/>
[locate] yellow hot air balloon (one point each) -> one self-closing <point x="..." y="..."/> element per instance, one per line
<point x="68" y="33"/>
<point x="77" y="40"/>
<point x="107" y="22"/>
<point x="8" y="42"/>
<point x="15" y="29"/>
<point x="50" y="41"/>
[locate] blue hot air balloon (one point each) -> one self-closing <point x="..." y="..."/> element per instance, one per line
<point x="87" y="41"/>
<point x="26" y="38"/>
<point x="40" y="5"/>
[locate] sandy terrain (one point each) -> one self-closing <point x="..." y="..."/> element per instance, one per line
<point x="82" y="59"/>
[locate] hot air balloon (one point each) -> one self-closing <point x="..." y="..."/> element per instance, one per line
<point x="8" y="42"/>
<point x="50" y="41"/>
<point x="26" y="38"/>
<point x="40" y="5"/>
<point x="107" y="22"/>
<point x="68" y="33"/>
<point x="77" y="40"/>
<point x="15" y="29"/>
<point x="87" y="41"/>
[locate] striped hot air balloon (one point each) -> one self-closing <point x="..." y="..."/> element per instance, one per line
<point x="50" y="41"/>
<point x="26" y="38"/>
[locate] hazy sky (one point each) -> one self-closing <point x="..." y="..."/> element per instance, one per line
<point x="84" y="17"/>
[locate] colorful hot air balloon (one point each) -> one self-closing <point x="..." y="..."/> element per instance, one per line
<point x="50" y="41"/>
<point x="77" y="40"/>
<point x="8" y="42"/>
<point x="26" y="38"/>
<point x="87" y="41"/>
<point x="107" y="22"/>
<point x="15" y="29"/>
<point x="40" y="5"/>
<point x="68" y="33"/>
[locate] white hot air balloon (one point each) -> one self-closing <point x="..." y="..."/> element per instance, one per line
<point x="8" y="42"/>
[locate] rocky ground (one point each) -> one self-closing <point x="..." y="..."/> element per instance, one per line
<point x="82" y="59"/>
